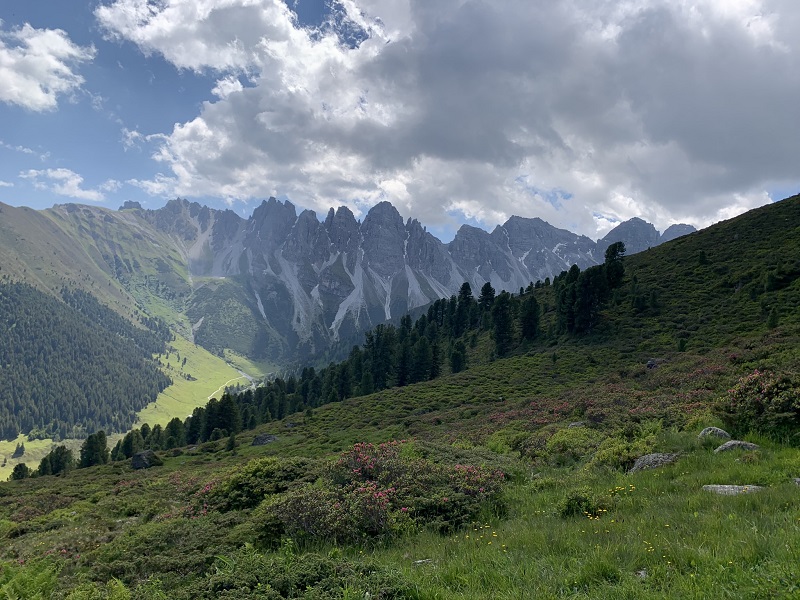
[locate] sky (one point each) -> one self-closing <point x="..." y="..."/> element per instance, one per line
<point x="584" y="113"/>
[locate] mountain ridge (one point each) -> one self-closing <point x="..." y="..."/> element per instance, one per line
<point x="291" y="284"/>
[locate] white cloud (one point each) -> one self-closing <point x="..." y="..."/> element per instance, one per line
<point x="65" y="182"/>
<point x="6" y="183"/>
<point x="37" y="66"/>
<point x="43" y="156"/>
<point x="605" y="110"/>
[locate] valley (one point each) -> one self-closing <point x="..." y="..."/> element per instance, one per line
<point x="509" y="476"/>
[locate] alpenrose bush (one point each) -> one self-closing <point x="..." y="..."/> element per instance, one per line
<point x="377" y="491"/>
<point x="766" y="403"/>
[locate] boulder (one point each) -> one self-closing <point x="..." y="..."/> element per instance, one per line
<point x="732" y="490"/>
<point x="715" y="432"/>
<point x="262" y="439"/>
<point x="576" y="424"/>
<point x="145" y="459"/>
<point x="653" y="461"/>
<point x="736" y="445"/>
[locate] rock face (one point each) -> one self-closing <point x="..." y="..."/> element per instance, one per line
<point x="675" y="231"/>
<point x="638" y="235"/>
<point x="714" y="432"/>
<point x="736" y="445"/>
<point x="732" y="490"/>
<point x="263" y="439"/>
<point x="145" y="460"/>
<point x="653" y="461"/>
<point x="306" y="283"/>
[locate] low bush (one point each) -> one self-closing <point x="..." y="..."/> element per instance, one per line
<point x="247" y="574"/>
<point x="248" y="486"/>
<point x="766" y="403"/>
<point x="378" y="491"/>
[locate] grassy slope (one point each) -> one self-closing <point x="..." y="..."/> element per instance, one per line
<point x="65" y="246"/>
<point x="660" y="535"/>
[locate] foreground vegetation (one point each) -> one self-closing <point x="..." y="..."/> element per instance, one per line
<point x="510" y="479"/>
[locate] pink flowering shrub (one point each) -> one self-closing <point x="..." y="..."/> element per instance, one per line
<point x="376" y="491"/>
<point x="764" y="402"/>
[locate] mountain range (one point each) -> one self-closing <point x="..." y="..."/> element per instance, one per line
<point x="281" y="285"/>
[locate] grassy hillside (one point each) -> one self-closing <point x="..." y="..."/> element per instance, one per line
<point x="508" y="480"/>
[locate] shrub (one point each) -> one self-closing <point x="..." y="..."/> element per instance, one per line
<point x="249" y="574"/>
<point x="572" y="444"/>
<point x="763" y="402"/>
<point x="378" y="491"/>
<point x="580" y="502"/>
<point x="248" y="486"/>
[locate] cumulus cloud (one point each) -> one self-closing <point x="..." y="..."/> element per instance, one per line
<point x="6" y="183"/>
<point x="581" y="112"/>
<point x="65" y="182"/>
<point x="37" y="66"/>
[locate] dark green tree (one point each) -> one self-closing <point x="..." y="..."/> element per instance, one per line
<point x="132" y="443"/>
<point x="21" y="471"/>
<point x="530" y="317"/>
<point x="421" y="360"/>
<point x="486" y="299"/>
<point x="94" y="450"/>
<point x="458" y="357"/>
<point x="615" y="270"/>
<point x="175" y="434"/>
<point x="58" y="460"/>
<point x="503" y="321"/>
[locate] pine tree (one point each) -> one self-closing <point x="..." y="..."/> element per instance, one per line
<point x="94" y="450"/>
<point x="503" y="324"/>
<point x="530" y="317"/>
<point x="458" y="357"/>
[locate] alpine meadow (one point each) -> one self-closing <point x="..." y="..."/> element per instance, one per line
<point x="627" y="427"/>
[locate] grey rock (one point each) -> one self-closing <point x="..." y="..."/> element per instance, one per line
<point x="714" y="432"/>
<point x="736" y="445"/>
<point x="145" y="459"/>
<point x="653" y="461"/>
<point x="797" y="480"/>
<point x="675" y="231"/>
<point x="636" y="234"/>
<point x="263" y="439"/>
<point x="732" y="490"/>
<point x="576" y="424"/>
<point x="307" y="284"/>
<point x="384" y="238"/>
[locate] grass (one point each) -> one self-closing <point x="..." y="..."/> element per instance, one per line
<point x="207" y="372"/>
<point x="653" y="534"/>
<point x="253" y="367"/>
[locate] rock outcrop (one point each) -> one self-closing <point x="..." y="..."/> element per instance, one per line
<point x="653" y="461"/>
<point x="736" y="445"/>
<point x="714" y="432"/>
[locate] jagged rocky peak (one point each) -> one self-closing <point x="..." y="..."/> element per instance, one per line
<point x="469" y="246"/>
<point x="308" y="239"/>
<point x="342" y="229"/>
<point x="675" y="231"/>
<point x="384" y="239"/>
<point x="426" y="253"/>
<point x="175" y="218"/>
<point x="480" y="253"/>
<point x="270" y="224"/>
<point x="637" y="234"/>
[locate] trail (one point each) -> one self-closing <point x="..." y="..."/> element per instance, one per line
<point x="227" y="383"/>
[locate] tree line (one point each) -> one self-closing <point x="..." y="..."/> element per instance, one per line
<point x="72" y="365"/>
<point x="390" y="356"/>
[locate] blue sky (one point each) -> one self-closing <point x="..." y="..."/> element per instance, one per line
<point x="458" y="111"/>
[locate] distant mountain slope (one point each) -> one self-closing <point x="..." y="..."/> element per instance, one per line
<point x="279" y="285"/>
<point x="73" y="365"/>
